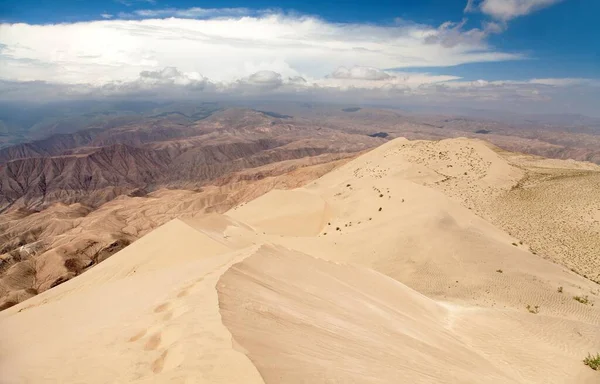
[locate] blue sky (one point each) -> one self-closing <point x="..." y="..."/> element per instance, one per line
<point x="504" y="43"/>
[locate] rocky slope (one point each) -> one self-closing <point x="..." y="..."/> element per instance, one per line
<point x="93" y="168"/>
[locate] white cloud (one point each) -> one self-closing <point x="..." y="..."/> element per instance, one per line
<point x="565" y="82"/>
<point x="554" y="95"/>
<point x="509" y="9"/>
<point x="470" y="6"/>
<point x="191" y="13"/>
<point x="224" y="49"/>
<point x="360" y="73"/>
<point x="106" y="16"/>
<point x="129" y="3"/>
<point x="451" y="34"/>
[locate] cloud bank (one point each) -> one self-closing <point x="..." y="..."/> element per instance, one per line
<point x="226" y="49"/>
<point x="234" y="52"/>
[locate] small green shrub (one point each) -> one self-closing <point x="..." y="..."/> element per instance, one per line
<point x="592" y="361"/>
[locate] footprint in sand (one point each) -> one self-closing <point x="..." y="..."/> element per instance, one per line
<point x="161" y="308"/>
<point x="158" y="365"/>
<point x="162" y="337"/>
<point x="137" y="336"/>
<point x="169" y="359"/>
<point x="153" y="342"/>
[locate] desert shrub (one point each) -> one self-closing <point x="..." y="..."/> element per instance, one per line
<point x="582" y="299"/>
<point x="592" y="361"/>
<point x="560" y="289"/>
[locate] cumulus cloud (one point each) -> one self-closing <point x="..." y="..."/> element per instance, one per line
<point x="508" y="9"/>
<point x="268" y="78"/>
<point x="256" y="82"/>
<point x="106" y="16"/>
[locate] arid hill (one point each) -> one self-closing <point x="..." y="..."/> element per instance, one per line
<point x="95" y="167"/>
<point x="395" y="266"/>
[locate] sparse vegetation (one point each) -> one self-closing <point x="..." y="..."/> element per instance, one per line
<point x="535" y="309"/>
<point x="380" y="209"/>
<point x="560" y="289"/>
<point x="499" y="271"/>
<point x="515" y="244"/>
<point x="592" y="361"/>
<point x="381" y="195"/>
<point x="582" y="299"/>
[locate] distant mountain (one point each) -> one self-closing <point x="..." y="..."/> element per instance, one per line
<point x="94" y="166"/>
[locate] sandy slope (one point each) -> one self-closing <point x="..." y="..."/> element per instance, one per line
<point x="374" y="273"/>
<point x="64" y="240"/>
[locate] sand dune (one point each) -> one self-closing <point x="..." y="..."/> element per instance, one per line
<point x="394" y="267"/>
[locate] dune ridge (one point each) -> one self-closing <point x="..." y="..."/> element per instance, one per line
<point x="392" y="267"/>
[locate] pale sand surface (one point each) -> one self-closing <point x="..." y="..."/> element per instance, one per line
<point x="424" y="290"/>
